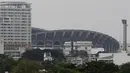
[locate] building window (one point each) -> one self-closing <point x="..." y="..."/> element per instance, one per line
<point x="24" y="16"/>
<point x="6" y="18"/>
<point x="23" y="21"/>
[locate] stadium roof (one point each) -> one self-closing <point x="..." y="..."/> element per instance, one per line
<point x="98" y="39"/>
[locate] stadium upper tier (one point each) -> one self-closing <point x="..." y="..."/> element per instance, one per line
<point x="58" y="37"/>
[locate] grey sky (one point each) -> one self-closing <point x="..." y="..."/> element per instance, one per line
<point x="97" y="15"/>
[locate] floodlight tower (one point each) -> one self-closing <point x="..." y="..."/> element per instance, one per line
<point x="124" y="21"/>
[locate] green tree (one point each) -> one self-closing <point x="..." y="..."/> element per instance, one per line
<point x="26" y="66"/>
<point x="65" y="68"/>
<point x="2" y="67"/>
<point x="35" y="54"/>
<point x="6" y="63"/>
<point x="101" y="67"/>
<point x="125" y="68"/>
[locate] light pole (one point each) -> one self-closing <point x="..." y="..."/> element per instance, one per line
<point x="124" y="21"/>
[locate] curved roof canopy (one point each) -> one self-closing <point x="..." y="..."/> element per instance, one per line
<point x="98" y="39"/>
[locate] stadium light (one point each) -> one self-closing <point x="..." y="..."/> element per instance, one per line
<point x="124" y="21"/>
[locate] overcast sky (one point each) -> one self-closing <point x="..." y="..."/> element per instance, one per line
<point x="96" y="15"/>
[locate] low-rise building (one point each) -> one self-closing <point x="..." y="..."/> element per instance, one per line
<point x="75" y="60"/>
<point x="78" y="45"/>
<point x="116" y="58"/>
<point x="93" y="54"/>
<point x="105" y="57"/>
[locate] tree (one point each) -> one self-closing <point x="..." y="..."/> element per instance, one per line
<point x="100" y="67"/>
<point x="65" y="68"/>
<point x="27" y="66"/>
<point x="35" y="54"/>
<point x="58" y="55"/>
<point x="6" y="63"/>
<point x="125" y="68"/>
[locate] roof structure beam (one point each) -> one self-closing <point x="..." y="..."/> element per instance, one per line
<point x="45" y="35"/>
<point x="72" y="33"/>
<point x="95" y="35"/>
<point x="87" y="35"/>
<point x="63" y="34"/>
<point x="54" y="34"/>
<point x="80" y="34"/>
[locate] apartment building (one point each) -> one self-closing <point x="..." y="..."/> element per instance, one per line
<point x="15" y="25"/>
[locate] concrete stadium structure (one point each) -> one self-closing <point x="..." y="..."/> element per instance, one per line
<point x="56" y="38"/>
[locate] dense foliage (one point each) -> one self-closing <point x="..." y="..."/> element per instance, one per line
<point x="125" y="68"/>
<point x="6" y="63"/>
<point x="32" y="62"/>
<point x="100" y="67"/>
<point x="26" y="66"/>
<point x="37" y="54"/>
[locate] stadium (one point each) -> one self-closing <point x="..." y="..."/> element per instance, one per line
<point x="56" y="38"/>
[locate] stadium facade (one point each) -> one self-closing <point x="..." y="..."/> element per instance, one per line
<point x="56" y="38"/>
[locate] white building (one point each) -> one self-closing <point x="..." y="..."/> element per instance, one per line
<point x="15" y="25"/>
<point x="117" y="58"/>
<point x="77" y="61"/>
<point x="106" y="57"/>
<point x="93" y="54"/>
<point x="47" y="56"/>
<point x="79" y="45"/>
